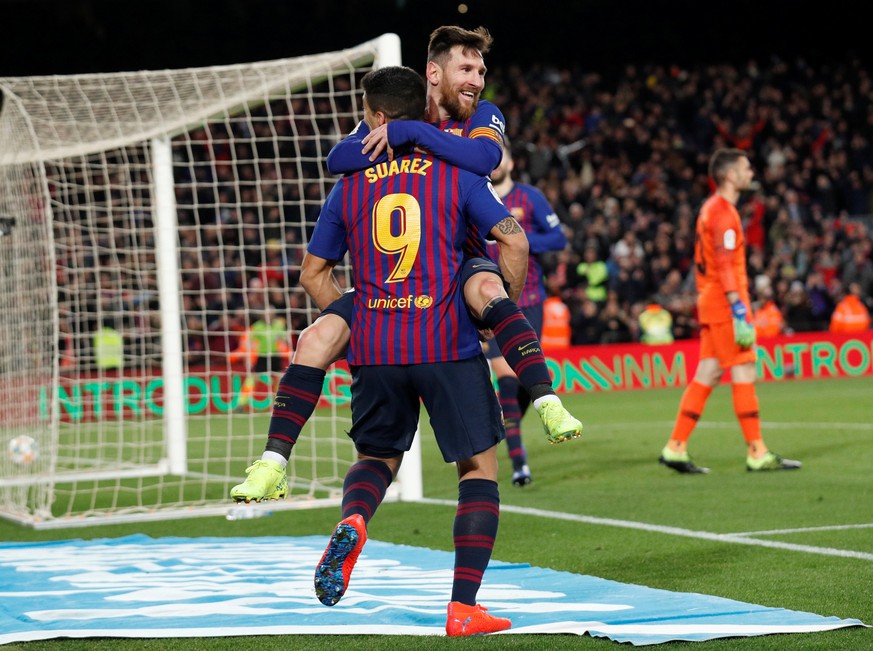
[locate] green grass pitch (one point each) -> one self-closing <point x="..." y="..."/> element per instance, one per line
<point x="612" y="473"/>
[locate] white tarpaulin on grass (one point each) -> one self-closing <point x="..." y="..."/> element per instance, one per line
<point x="139" y="587"/>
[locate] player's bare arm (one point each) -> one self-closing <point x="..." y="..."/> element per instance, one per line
<point x="513" y="251"/>
<point x="317" y="279"/>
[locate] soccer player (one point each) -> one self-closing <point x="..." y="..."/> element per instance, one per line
<point x="727" y="338"/>
<point x="532" y="211"/>
<point x="403" y="225"/>
<point x="455" y="78"/>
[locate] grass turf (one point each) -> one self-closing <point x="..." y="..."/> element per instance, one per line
<point x="612" y="473"/>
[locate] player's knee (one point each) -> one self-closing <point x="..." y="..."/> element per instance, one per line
<point x="744" y="373"/>
<point x="483" y="289"/>
<point x="320" y="344"/>
<point x="709" y="376"/>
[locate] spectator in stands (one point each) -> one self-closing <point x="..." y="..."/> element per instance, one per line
<point x="767" y="318"/>
<point x="820" y="300"/>
<point x="556" y="321"/>
<point x="587" y="328"/>
<point x="593" y="272"/>
<point x="859" y="269"/>
<point x="656" y="325"/>
<point x="851" y="314"/>
<point x="798" y="309"/>
<point x="615" y="327"/>
<point x="108" y="345"/>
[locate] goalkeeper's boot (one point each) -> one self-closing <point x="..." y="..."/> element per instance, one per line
<point x="522" y="477"/>
<point x="771" y="461"/>
<point x="558" y="423"/>
<point x="265" y="480"/>
<point x="339" y="558"/>
<point x="472" y="620"/>
<point x="680" y="462"/>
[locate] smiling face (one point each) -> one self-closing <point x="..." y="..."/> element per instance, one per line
<point x="457" y="82"/>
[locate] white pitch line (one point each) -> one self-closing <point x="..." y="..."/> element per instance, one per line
<point x="672" y="531"/>
<point x="720" y="424"/>
<point x="832" y="527"/>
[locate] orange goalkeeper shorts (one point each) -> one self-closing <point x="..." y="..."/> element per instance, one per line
<point x="717" y="340"/>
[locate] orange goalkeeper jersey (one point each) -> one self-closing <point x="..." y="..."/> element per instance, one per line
<point x="720" y="260"/>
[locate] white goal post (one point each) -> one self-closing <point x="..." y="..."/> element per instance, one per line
<point x="147" y="219"/>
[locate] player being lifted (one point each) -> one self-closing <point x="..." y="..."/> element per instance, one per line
<point x="455" y="79"/>
<point x="532" y="211"/>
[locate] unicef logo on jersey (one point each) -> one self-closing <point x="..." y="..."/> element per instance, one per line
<point x="403" y="303"/>
<point x="423" y="302"/>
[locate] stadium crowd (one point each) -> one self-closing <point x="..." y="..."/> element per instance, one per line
<point x="621" y="157"/>
<point x="623" y="161"/>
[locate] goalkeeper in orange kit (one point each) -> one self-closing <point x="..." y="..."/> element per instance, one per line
<point x="727" y="338"/>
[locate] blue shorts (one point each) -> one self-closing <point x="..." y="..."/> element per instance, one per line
<point x="473" y="266"/>
<point x="460" y="400"/>
<point x="534" y="315"/>
<point x="342" y="307"/>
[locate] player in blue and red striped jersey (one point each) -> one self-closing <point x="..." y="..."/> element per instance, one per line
<point x="532" y="211"/>
<point x="455" y="78"/>
<point x="404" y="224"/>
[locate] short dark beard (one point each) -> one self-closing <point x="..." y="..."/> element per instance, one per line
<point x="453" y="107"/>
<point x="495" y="180"/>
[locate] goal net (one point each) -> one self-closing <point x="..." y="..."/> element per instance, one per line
<point x="147" y="221"/>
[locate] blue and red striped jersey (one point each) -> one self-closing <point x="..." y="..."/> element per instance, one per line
<point x="486" y="122"/>
<point x="404" y="224"/>
<point x="532" y="211"/>
<point x="479" y="151"/>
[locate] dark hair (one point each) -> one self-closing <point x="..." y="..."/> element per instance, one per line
<point x="721" y="160"/>
<point x="397" y="91"/>
<point x="444" y="38"/>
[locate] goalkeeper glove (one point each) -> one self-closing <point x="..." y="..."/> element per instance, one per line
<point x="744" y="332"/>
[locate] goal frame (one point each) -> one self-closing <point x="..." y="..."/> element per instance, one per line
<point x="409" y="484"/>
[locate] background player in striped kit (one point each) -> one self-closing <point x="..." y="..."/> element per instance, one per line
<point x="403" y="225"/>
<point x="456" y="72"/>
<point x="532" y="211"/>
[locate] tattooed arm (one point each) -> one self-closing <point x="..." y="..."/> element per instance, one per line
<point x="513" y="253"/>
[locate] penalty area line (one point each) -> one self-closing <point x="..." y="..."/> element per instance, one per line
<point x="733" y="539"/>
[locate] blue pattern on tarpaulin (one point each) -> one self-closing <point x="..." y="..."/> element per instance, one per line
<point x="200" y="587"/>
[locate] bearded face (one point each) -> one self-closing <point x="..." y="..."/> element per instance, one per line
<point x="458" y="102"/>
<point x="461" y="83"/>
